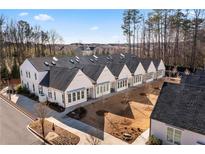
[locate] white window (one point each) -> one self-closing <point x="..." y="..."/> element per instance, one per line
<point x="170" y="132"/>
<point x="54" y="95"/>
<point x="63" y="98"/>
<point x="21" y="73"/>
<point x="82" y="94"/>
<point x="173" y="136"/>
<point x="177" y="137"/>
<point x="69" y="98"/>
<point x="74" y="97"/>
<point x="78" y="95"/>
<point x="33" y="88"/>
<point x="97" y="89"/>
<point x="35" y="76"/>
<point x="50" y="94"/>
<point x="29" y="74"/>
<point x="40" y="89"/>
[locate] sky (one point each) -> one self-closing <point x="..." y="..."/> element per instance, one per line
<point x="85" y="26"/>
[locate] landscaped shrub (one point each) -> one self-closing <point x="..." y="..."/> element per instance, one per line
<point x="153" y="140"/>
<point x="55" y="106"/>
<point x="78" y="113"/>
<point x="22" y="90"/>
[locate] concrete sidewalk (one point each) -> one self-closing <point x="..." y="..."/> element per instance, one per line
<point x="30" y="105"/>
<point x="83" y="131"/>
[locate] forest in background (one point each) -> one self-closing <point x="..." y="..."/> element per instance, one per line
<point x="176" y="36"/>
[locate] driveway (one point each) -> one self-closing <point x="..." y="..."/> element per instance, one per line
<point x="13" y="126"/>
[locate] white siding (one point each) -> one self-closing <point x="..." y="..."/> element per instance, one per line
<point x="80" y="82"/>
<point x="125" y="74"/>
<point x="140" y="71"/>
<point x="159" y="129"/>
<point x="106" y="76"/>
<point x="151" y="73"/>
<point x="103" y="83"/>
<point x="161" y="70"/>
<point x="58" y="98"/>
<point x="29" y="68"/>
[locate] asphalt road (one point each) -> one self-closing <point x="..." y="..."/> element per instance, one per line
<point x="13" y="129"/>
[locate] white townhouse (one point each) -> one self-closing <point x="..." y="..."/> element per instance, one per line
<point x="160" y="68"/>
<point x="137" y="70"/>
<point x="150" y="69"/>
<point x="122" y="75"/>
<point x="102" y="79"/>
<point x="66" y="86"/>
<point x="71" y="80"/>
<point x="178" y="116"/>
<point x="32" y="73"/>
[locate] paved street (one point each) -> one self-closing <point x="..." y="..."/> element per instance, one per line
<point x="13" y="126"/>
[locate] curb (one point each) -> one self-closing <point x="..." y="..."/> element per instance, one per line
<point x="38" y="136"/>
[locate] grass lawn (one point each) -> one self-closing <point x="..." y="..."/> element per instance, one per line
<point x="63" y="136"/>
<point x="124" y="115"/>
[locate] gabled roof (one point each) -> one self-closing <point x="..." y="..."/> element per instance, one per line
<point x="59" y="78"/>
<point x="145" y="63"/>
<point x="156" y="63"/>
<point x="93" y="71"/>
<point x="115" y="68"/>
<point x="181" y="105"/>
<point x="38" y="63"/>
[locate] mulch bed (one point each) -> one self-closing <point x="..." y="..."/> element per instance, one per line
<point x="55" y="107"/>
<point x="65" y="137"/>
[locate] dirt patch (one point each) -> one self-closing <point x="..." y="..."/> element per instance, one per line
<point x="124" y="114"/>
<point x="64" y="137"/>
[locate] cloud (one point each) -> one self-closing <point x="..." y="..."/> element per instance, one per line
<point x="94" y="28"/>
<point x="43" y="17"/>
<point x="23" y="14"/>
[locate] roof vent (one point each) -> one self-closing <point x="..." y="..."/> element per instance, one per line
<point x="55" y="59"/>
<point x="46" y="63"/>
<point x="110" y="57"/>
<point x="77" y="60"/>
<point x="95" y="56"/>
<point x="77" y="57"/>
<point x="71" y="60"/>
<point x="122" y="55"/>
<point x="91" y="60"/>
<point x="54" y="63"/>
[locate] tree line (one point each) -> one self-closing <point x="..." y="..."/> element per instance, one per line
<point x="20" y="40"/>
<point x="176" y="36"/>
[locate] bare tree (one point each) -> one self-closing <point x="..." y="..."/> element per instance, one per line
<point x="42" y="112"/>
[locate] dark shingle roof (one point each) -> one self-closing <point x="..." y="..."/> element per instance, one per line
<point x="115" y="68"/>
<point x="181" y="105"/>
<point x="156" y="63"/>
<point x="145" y="63"/>
<point x="59" y="78"/>
<point x="93" y="71"/>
